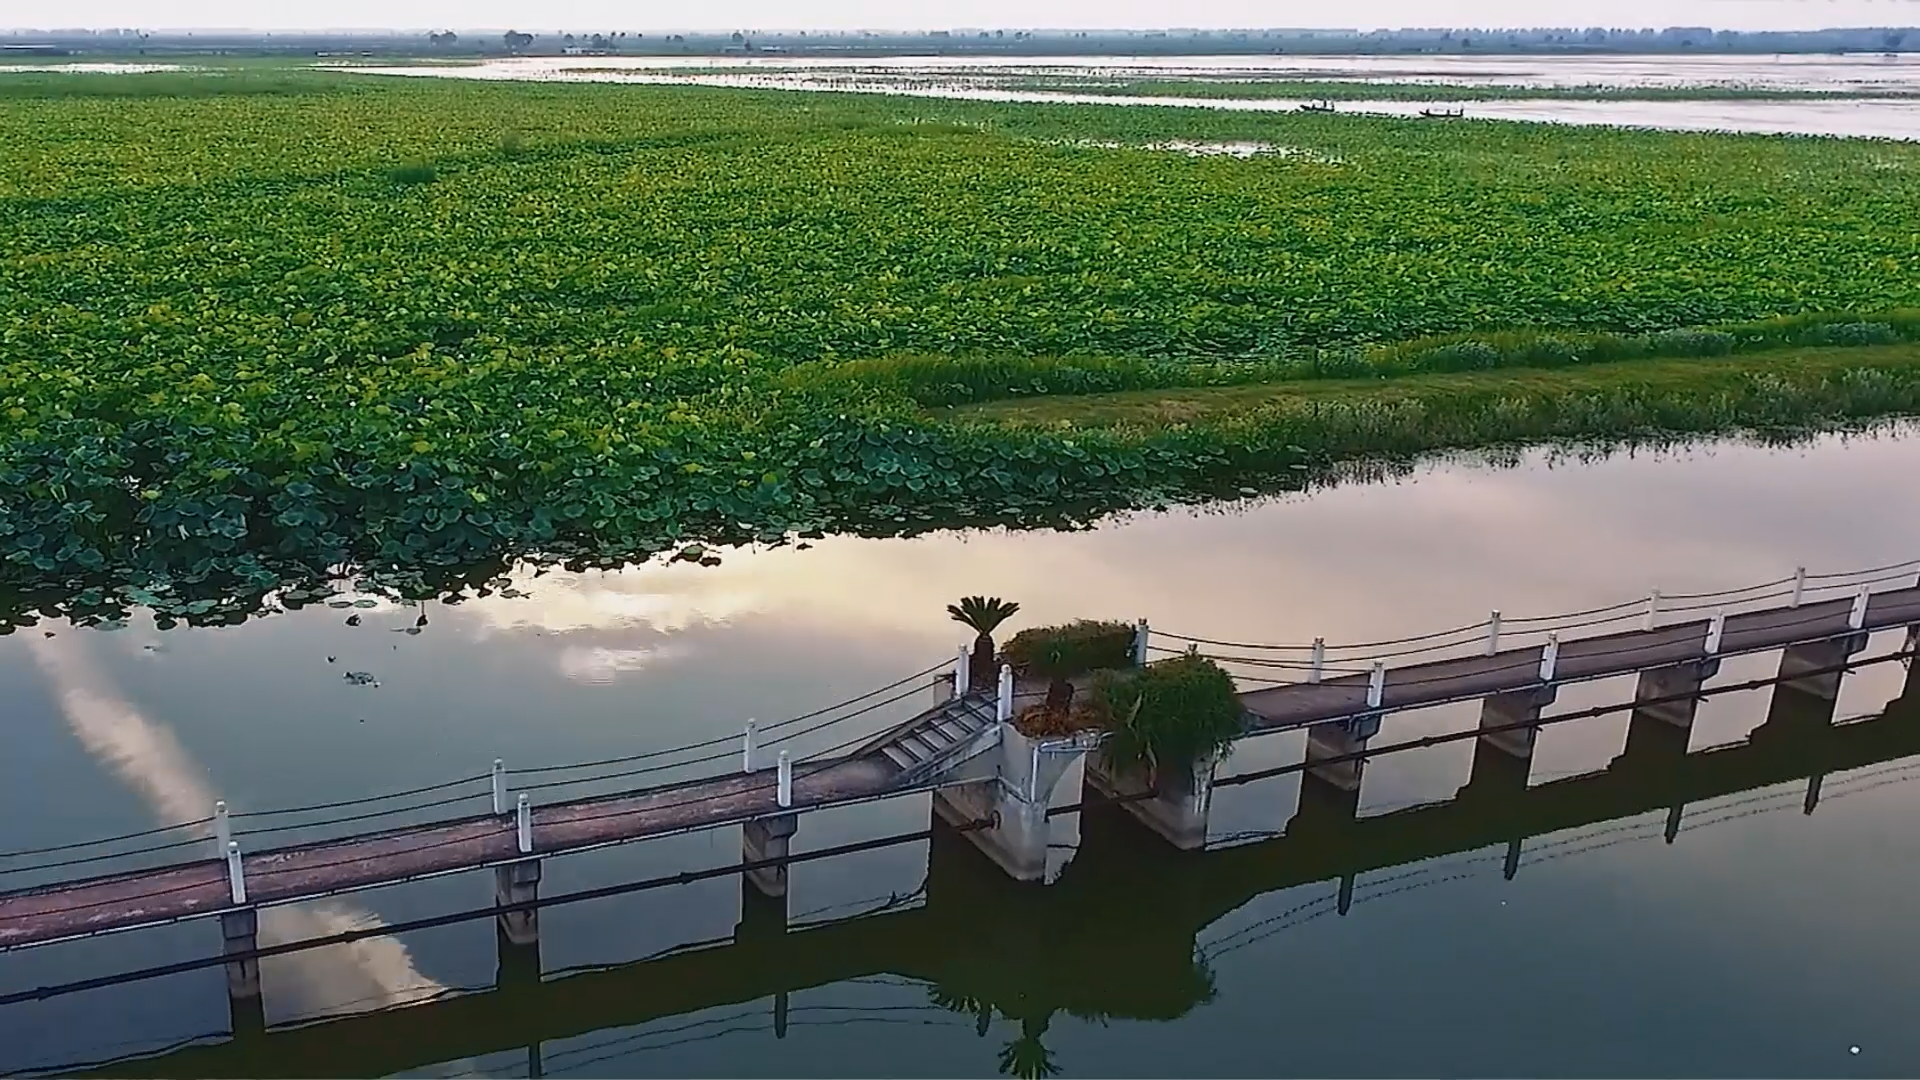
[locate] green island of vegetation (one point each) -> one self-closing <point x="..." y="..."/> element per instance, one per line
<point x="257" y="326"/>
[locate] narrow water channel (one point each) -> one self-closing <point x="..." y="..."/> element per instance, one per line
<point x="1762" y="941"/>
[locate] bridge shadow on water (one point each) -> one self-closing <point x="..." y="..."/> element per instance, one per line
<point x="1114" y="937"/>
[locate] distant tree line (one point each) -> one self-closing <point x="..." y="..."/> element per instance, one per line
<point x="988" y="41"/>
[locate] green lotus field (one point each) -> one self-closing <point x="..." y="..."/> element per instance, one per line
<point x="256" y="325"/>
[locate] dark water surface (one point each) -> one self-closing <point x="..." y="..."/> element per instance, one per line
<point x="1762" y="941"/>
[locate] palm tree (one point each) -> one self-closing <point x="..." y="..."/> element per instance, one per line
<point x="983" y="615"/>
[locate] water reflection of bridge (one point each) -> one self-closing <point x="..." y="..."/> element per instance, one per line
<point x="986" y="943"/>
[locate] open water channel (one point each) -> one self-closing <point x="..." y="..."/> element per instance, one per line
<point x="999" y="79"/>
<point x="1761" y="941"/>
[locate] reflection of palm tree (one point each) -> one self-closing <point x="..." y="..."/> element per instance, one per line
<point x="1027" y="1057"/>
<point x="983" y="615"/>
<point x="963" y="1003"/>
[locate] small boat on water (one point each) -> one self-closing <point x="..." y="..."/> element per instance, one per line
<point x="1317" y="106"/>
<point x="1443" y="114"/>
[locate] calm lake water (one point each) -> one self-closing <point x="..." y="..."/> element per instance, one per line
<point x="1762" y="941"/>
<point x="988" y="79"/>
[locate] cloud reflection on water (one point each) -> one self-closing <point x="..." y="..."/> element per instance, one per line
<point x="145" y="755"/>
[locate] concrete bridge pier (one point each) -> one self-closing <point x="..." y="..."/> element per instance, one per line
<point x="1806" y="668"/>
<point x="517" y="933"/>
<point x="1658" y="687"/>
<point x="768" y="838"/>
<point x="239" y="933"/>
<point x="1014" y="798"/>
<point x="1177" y="812"/>
<point x="1323" y="806"/>
<point x="1501" y="711"/>
<point x="517" y="883"/>
<point x="1496" y="774"/>
<point x="1330" y="742"/>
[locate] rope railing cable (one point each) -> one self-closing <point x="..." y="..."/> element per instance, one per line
<point x="1454" y="632"/>
<point x="767" y="778"/>
<point x="409" y="792"/>
<point x="1626" y="608"/>
<point x="120" y="839"/>
<point x="1680" y="609"/>
<point x="921" y="674"/>
<point x="348" y="819"/>
<point x="758" y="782"/>
<point x="88" y="860"/>
<point x="1908" y="565"/>
<point x="726" y="740"/>
<point x="1730" y="592"/>
<point x="733" y="753"/>
<point x="1522" y="662"/>
<point x="362" y="801"/>
<point x="645" y="770"/>
<point x="824" y="724"/>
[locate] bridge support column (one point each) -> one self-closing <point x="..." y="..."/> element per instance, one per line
<point x="1178" y="809"/>
<point x="1671" y="694"/>
<point x="240" y="933"/>
<point x="1323" y="806"/>
<point x="517" y="883"/>
<point x="517" y="933"/>
<point x="1804" y="667"/>
<point x="768" y="838"/>
<point x="1015" y="800"/>
<point x="1338" y="739"/>
<point x="1501" y="711"/>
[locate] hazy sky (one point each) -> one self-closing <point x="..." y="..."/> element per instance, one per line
<point x="937" y="14"/>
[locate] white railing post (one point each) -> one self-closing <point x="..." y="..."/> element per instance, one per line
<point x="1653" y="609"/>
<point x="1140" y="633"/>
<point x="963" y="671"/>
<point x="1493" y="632"/>
<point x="1377" y="684"/>
<point x="1715" y="629"/>
<point x="1799" y="585"/>
<point x="783" y="792"/>
<point x="1549" y="657"/>
<point x="1318" y="666"/>
<point x="1858" y="617"/>
<point x="499" y="787"/>
<point x="236" y="873"/>
<point x="523" y="815"/>
<point x="222" y="827"/>
<point x="746" y="748"/>
<point x="1003" y="710"/>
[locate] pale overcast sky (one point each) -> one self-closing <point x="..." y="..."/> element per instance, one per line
<point x="938" y="14"/>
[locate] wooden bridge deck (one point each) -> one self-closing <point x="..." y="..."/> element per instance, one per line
<point x="1440" y="682"/>
<point x="147" y="897"/>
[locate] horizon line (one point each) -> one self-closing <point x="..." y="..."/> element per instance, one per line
<point x="374" y="31"/>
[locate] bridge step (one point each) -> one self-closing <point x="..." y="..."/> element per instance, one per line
<point x="923" y="745"/>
